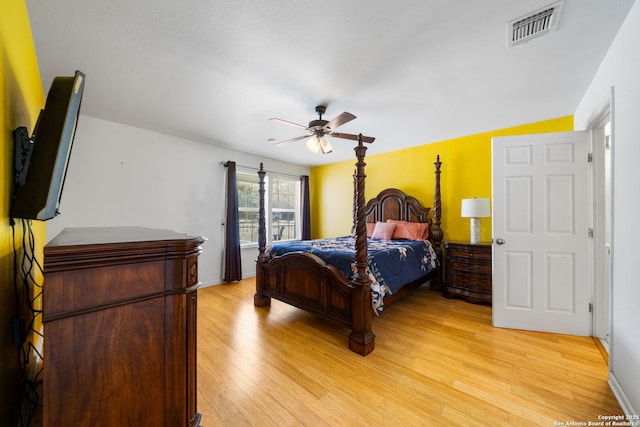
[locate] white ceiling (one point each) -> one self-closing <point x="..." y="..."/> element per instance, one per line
<point x="413" y="71"/>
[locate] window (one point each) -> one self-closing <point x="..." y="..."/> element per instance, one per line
<point x="282" y="201"/>
<point x="248" y="206"/>
<point x="284" y="204"/>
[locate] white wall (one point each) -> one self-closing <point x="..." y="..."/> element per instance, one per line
<point x="125" y="176"/>
<point x="620" y="69"/>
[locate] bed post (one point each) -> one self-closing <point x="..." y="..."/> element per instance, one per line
<point x="354" y="212"/>
<point x="259" y="299"/>
<point x="436" y="233"/>
<point x="361" y="339"/>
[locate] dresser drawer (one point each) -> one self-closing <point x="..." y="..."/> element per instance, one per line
<point x="470" y="266"/>
<point x="472" y="282"/>
<point x="470" y="252"/>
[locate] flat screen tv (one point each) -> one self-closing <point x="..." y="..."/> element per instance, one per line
<point x="41" y="160"/>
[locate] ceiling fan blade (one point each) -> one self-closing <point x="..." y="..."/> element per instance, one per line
<point x="288" y="123"/>
<point x="339" y="121"/>
<point x="368" y="139"/>
<point x="287" y="141"/>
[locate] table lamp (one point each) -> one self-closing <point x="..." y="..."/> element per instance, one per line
<point x="475" y="209"/>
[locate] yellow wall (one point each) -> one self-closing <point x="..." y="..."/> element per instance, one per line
<point x="466" y="172"/>
<point x="22" y="98"/>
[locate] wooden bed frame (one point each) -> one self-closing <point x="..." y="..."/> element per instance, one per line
<point x="305" y="281"/>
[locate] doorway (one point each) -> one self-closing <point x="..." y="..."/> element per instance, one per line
<point x="602" y="145"/>
<point x="512" y="303"/>
<point x="541" y="229"/>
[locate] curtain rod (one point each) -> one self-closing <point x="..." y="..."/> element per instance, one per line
<point x="223" y="163"/>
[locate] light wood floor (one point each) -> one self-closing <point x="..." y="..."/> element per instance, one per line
<point x="436" y="362"/>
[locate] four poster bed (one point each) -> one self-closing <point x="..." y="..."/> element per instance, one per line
<point x="350" y="291"/>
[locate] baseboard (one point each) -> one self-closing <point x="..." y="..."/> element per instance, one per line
<point x="221" y="281"/>
<point x="625" y="403"/>
<point x="603" y="350"/>
<point x="209" y="283"/>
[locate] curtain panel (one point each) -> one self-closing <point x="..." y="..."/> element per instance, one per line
<point x="305" y="208"/>
<point x="232" y="258"/>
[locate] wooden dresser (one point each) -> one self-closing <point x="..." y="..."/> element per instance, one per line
<point x="468" y="271"/>
<point x="120" y="328"/>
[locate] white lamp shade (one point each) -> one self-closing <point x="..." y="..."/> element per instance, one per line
<point x="313" y="145"/>
<point x="325" y="145"/>
<point x="475" y="208"/>
<point x="319" y="143"/>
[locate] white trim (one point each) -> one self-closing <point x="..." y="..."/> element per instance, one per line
<point x="601" y="273"/>
<point x="209" y="283"/>
<point x="612" y="116"/>
<point x="625" y="403"/>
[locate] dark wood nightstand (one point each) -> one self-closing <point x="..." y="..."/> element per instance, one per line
<point x="467" y="271"/>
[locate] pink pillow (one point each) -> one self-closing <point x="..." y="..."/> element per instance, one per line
<point x="410" y="230"/>
<point x="383" y="231"/>
<point x="370" y="227"/>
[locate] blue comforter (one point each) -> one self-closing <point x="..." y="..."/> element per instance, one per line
<point x="392" y="263"/>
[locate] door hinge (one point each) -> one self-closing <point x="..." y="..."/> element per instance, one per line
<point x="589" y="157"/>
<point x="590" y="307"/>
<point x="590" y="232"/>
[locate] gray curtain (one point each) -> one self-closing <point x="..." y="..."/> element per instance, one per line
<point x="232" y="259"/>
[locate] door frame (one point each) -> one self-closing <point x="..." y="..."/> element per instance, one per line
<point x="602" y="267"/>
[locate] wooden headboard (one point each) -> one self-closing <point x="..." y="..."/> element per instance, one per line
<point x="393" y="203"/>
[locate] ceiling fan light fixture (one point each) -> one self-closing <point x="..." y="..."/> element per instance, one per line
<point x="320" y="129"/>
<point x="325" y="145"/>
<point x="313" y="145"/>
<point x="319" y="143"/>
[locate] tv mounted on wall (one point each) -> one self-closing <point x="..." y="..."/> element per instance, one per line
<point x="41" y="161"/>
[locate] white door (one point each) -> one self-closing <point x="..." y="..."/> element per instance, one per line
<point x="541" y="250"/>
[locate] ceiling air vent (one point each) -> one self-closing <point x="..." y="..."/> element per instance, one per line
<point x="533" y="25"/>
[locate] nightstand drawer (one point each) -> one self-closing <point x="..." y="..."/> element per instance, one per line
<point x="471" y="266"/>
<point x="471" y="252"/>
<point x="472" y="282"/>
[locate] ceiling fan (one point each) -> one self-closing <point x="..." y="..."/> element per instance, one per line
<point x="320" y="129"/>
